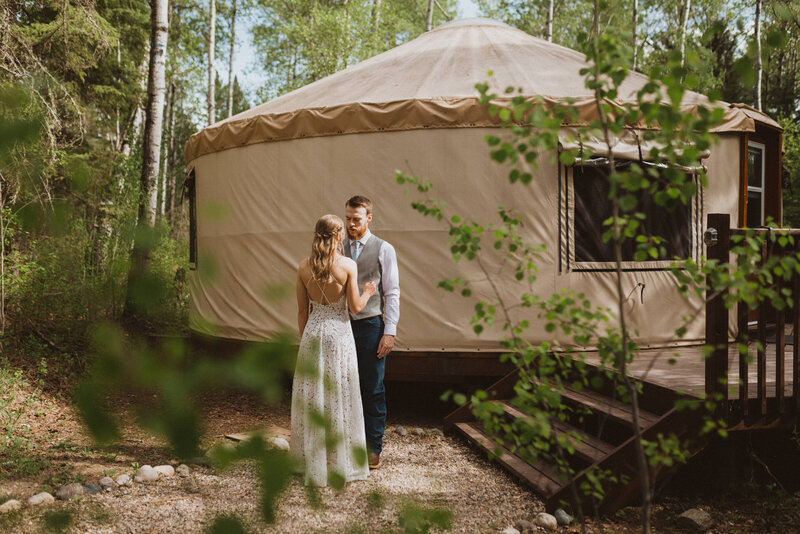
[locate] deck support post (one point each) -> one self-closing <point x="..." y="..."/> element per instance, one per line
<point x="717" y="316"/>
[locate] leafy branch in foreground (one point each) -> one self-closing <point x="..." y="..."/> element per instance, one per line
<point x="672" y="140"/>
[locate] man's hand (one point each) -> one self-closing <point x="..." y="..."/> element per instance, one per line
<point x="385" y="346"/>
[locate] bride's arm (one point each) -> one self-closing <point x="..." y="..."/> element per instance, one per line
<point x="302" y="304"/>
<point x="355" y="301"/>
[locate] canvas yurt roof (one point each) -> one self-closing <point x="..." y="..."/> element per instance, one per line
<point x="430" y="83"/>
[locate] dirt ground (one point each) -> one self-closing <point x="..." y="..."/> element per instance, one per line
<point x="432" y="470"/>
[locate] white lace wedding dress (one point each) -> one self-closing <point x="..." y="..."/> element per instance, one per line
<point x="328" y="350"/>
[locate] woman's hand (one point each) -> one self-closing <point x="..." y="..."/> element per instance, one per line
<point x="370" y="288"/>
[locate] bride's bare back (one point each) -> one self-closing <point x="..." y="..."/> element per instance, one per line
<point x="344" y="274"/>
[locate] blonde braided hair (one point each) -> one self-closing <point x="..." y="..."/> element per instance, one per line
<point x="327" y="236"/>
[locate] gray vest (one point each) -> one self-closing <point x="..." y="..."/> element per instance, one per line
<point x="369" y="270"/>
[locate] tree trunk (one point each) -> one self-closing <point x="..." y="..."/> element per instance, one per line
<point x="687" y="4"/>
<point x="376" y="14"/>
<point x="429" y="17"/>
<point x="151" y="151"/>
<point x="758" y="56"/>
<point x="230" y="63"/>
<point x="212" y="21"/>
<point x="137" y="117"/>
<point x="549" y="29"/>
<point x="165" y="168"/>
<point x="635" y="28"/>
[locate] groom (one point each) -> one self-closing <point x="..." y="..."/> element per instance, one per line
<point x="375" y="327"/>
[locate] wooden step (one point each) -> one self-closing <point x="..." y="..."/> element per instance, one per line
<point x="587" y="447"/>
<point x="613" y="408"/>
<point x="540" y="476"/>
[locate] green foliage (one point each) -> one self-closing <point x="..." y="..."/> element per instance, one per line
<point x="791" y="159"/>
<point x="679" y="138"/>
<point x="419" y="519"/>
<point x="226" y="524"/>
<point x="57" y="520"/>
<point x="16" y="438"/>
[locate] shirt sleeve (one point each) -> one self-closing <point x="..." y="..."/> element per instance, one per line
<point x="390" y="285"/>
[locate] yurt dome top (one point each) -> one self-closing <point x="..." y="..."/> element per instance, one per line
<point x="429" y="82"/>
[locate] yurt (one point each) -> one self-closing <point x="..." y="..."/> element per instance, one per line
<point x="260" y="180"/>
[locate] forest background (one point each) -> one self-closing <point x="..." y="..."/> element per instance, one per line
<point x="73" y="94"/>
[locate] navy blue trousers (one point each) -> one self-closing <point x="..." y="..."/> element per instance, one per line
<point x="368" y="333"/>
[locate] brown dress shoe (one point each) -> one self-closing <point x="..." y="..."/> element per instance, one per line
<point x="374" y="460"/>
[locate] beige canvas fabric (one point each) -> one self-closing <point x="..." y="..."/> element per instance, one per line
<point x="430" y="83"/>
<point x="257" y="209"/>
<point x="265" y="176"/>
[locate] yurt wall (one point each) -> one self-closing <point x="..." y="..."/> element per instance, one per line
<point x="257" y="205"/>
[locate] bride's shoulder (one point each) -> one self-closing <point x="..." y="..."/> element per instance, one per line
<point x="303" y="265"/>
<point x="344" y="261"/>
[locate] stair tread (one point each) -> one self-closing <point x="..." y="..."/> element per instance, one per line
<point x="590" y="448"/>
<point x="540" y="476"/>
<point x="609" y="406"/>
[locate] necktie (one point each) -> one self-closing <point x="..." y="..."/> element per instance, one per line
<point x="356" y="249"/>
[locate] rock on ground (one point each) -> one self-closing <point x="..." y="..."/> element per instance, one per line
<point x="146" y="473"/>
<point x="107" y="483"/>
<point x="279" y="443"/>
<point x="70" y="491"/>
<point x="510" y="530"/>
<point x="10" y="506"/>
<point x="183" y="470"/>
<point x="524" y="526"/>
<point x="123" y="480"/>
<point x="40" y="498"/>
<point x="695" y="519"/>
<point x="546" y="521"/>
<point x="92" y="489"/>
<point x="563" y="518"/>
<point x="164" y="470"/>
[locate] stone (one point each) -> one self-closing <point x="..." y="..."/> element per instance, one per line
<point x="70" y="491"/>
<point x="695" y="519"/>
<point x="183" y="470"/>
<point x="107" y="483"/>
<point x="279" y="443"/>
<point x="91" y="489"/>
<point x="165" y="470"/>
<point x="436" y="432"/>
<point x="418" y="431"/>
<point x="40" y="498"/>
<point x="563" y="518"/>
<point x="146" y="473"/>
<point x="10" y="505"/>
<point x="401" y="430"/>
<point x="524" y="526"/>
<point x="123" y="480"/>
<point x="510" y="530"/>
<point x="546" y="521"/>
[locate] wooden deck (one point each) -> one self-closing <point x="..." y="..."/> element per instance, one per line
<point x="683" y="369"/>
<point x="745" y="392"/>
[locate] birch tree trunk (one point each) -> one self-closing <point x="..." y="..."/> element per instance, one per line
<point x="212" y="21"/>
<point x="230" y="63"/>
<point x="137" y="117"/>
<point x="687" y="4"/>
<point x="759" y="69"/>
<point x="429" y="16"/>
<point x="168" y="138"/>
<point x="376" y="14"/>
<point x="151" y="153"/>
<point x="549" y="29"/>
<point x="635" y="29"/>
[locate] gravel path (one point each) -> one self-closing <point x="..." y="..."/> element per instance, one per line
<point x="432" y="470"/>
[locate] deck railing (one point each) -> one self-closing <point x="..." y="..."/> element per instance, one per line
<point x="768" y="319"/>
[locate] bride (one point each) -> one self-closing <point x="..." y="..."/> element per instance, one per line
<point x="327" y="420"/>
